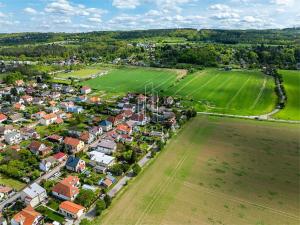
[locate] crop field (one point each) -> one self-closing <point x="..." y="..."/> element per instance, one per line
<point x="217" y="171"/>
<point x="291" y="82"/>
<point x="212" y="90"/>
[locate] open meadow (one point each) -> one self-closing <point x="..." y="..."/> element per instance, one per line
<point x="217" y="171"/>
<point x="291" y="82"/>
<point x="4" y="180"/>
<point x="235" y="92"/>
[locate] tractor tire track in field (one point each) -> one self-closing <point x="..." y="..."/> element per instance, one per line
<point x="164" y="82"/>
<point x="237" y="93"/>
<point x="194" y="78"/>
<point x="220" y="86"/>
<point x="162" y="188"/>
<point x="205" y="84"/>
<point x="239" y="200"/>
<point x="259" y="94"/>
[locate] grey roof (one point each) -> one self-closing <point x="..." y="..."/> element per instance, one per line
<point x="34" y="190"/>
<point x="107" y="144"/>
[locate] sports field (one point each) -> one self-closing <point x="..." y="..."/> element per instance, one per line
<point x="213" y="90"/>
<point x="291" y="82"/>
<point x="217" y="171"/>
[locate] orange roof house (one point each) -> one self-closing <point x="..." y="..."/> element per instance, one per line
<point x="28" y="216"/>
<point x="67" y="188"/>
<point x="2" y="117"/>
<point x="68" y="208"/>
<point x="19" y="106"/>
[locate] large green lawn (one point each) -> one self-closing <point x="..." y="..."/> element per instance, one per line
<point x="212" y="90"/>
<point x="292" y="86"/>
<point x="133" y="79"/>
<point x="82" y="73"/>
<point x="217" y="171"/>
<point x="235" y="92"/>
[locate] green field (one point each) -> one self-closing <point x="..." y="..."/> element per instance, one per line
<point x="133" y="79"/>
<point x="217" y="171"/>
<point x="11" y="182"/>
<point x="291" y="82"/>
<point x="83" y="73"/>
<point x="212" y="90"/>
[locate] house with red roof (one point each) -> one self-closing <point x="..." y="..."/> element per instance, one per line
<point x="124" y="129"/>
<point x="74" y="145"/>
<point x="60" y="156"/>
<point x="71" y="210"/>
<point x="48" y="119"/>
<point x="85" y="90"/>
<point x="28" y="216"/>
<point x="67" y="189"/>
<point x="2" y="118"/>
<point x="19" y="106"/>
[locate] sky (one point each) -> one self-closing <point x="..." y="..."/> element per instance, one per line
<point x="96" y="15"/>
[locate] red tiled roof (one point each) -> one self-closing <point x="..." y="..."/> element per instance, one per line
<point x="66" y="187"/>
<point x="27" y="216"/>
<point x="59" y="155"/>
<point x="2" y="117"/>
<point x="71" y="207"/>
<point x="72" y="141"/>
<point x="49" y="116"/>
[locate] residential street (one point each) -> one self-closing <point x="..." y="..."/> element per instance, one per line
<point x="44" y="177"/>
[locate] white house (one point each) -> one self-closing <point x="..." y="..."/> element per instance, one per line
<point x="33" y="195"/>
<point x="101" y="159"/>
<point x="48" y="119"/>
<point x="12" y="138"/>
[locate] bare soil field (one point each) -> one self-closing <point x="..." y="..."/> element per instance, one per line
<point x="218" y="171"/>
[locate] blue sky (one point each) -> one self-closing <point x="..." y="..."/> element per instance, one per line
<point x="90" y="15"/>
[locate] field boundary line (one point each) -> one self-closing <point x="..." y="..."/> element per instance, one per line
<point x="237" y="93"/>
<point x="161" y="189"/>
<point x="239" y="200"/>
<point x="196" y="77"/>
<point x="260" y="93"/>
<point x="203" y="85"/>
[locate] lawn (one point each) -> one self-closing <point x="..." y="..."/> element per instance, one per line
<point x="239" y="92"/>
<point x="83" y="73"/>
<point x="291" y="82"/>
<point x="234" y="92"/>
<point x="217" y="171"/>
<point x="50" y="215"/>
<point x="11" y="182"/>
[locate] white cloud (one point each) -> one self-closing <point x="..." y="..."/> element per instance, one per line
<point x="251" y="19"/>
<point x="220" y="7"/>
<point x="225" y="16"/>
<point x="30" y="10"/>
<point x="2" y="15"/>
<point x="64" y="7"/>
<point x="283" y="2"/>
<point x="126" y="4"/>
<point x="95" y="20"/>
<point x="62" y="21"/>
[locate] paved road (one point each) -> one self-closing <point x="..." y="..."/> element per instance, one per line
<point x="112" y="193"/>
<point x="44" y="177"/>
